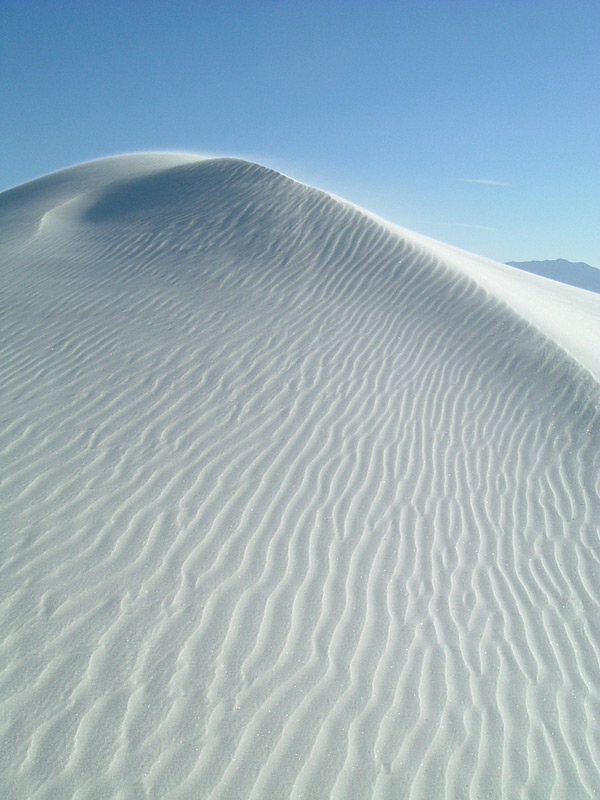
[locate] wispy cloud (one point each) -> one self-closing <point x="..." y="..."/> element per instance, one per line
<point x="455" y="225"/>
<point x="483" y="181"/>
<point x="469" y="225"/>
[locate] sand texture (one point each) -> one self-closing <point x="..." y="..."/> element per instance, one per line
<point x="295" y="504"/>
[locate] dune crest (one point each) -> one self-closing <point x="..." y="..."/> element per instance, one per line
<point x="297" y="504"/>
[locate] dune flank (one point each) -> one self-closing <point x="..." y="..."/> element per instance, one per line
<point x="296" y="504"/>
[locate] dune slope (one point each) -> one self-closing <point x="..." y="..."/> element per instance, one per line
<point x="294" y="505"/>
<point x="577" y="274"/>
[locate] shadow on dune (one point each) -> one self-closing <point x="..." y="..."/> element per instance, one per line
<point x="207" y="183"/>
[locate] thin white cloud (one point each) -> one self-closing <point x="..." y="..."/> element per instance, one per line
<point x="477" y="227"/>
<point x="483" y="181"/>
<point x="456" y="225"/>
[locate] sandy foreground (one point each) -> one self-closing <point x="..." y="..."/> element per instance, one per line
<point x="295" y="503"/>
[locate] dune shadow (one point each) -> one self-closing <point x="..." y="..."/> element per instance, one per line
<point x="140" y="195"/>
<point x="203" y="182"/>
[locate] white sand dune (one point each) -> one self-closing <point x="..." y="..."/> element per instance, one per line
<point x="295" y="504"/>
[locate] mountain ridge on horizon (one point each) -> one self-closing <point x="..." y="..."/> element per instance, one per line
<point x="574" y="273"/>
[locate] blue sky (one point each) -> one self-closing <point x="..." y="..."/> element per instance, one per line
<point x="476" y="123"/>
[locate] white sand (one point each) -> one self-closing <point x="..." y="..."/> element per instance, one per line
<point x="573" y="273"/>
<point x="296" y="504"/>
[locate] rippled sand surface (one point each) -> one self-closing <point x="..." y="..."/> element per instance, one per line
<point x="295" y="504"/>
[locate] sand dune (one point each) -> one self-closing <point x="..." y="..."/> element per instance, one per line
<point x="296" y="504"/>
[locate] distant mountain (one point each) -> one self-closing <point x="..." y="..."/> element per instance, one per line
<point x="576" y="274"/>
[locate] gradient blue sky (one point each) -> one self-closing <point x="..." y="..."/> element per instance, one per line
<point x="476" y="123"/>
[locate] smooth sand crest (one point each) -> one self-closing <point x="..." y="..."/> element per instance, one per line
<point x="295" y="504"/>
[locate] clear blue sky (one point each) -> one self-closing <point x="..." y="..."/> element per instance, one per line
<point x="477" y="123"/>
